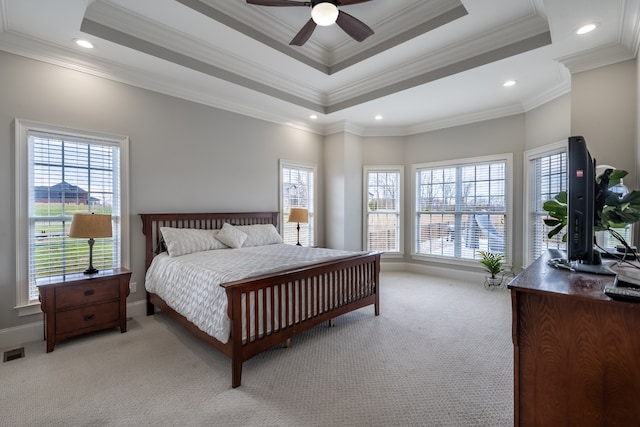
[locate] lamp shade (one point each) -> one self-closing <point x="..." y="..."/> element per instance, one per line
<point x="324" y="13"/>
<point x="92" y="226"/>
<point x="298" y="215"/>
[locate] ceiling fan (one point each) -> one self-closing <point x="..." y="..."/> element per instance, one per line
<point x="324" y="13"/>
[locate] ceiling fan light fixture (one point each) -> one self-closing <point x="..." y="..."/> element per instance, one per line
<point x="324" y="13"/>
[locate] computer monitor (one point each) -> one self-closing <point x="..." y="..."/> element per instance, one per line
<point x="585" y="203"/>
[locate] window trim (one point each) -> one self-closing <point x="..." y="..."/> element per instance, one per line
<point x="508" y="244"/>
<point x="22" y="128"/>
<point x="529" y="186"/>
<point x="282" y="163"/>
<point x="365" y="224"/>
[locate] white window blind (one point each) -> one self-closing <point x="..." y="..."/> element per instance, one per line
<point x="383" y="209"/>
<point x="297" y="191"/>
<point x="59" y="174"/>
<point x="549" y="178"/>
<point x="461" y="209"/>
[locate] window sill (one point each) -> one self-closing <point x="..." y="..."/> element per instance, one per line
<point x="392" y="255"/>
<point x="28" y="310"/>
<point x="446" y="261"/>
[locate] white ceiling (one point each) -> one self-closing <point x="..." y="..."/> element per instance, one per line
<point x="429" y="65"/>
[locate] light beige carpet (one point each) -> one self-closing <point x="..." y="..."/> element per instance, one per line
<point x="440" y="354"/>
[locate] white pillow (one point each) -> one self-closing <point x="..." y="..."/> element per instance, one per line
<point x="231" y="236"/>
<point x="182" y="241"/>
<point x="260" y="234"/>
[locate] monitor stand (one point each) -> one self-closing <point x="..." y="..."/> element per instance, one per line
<point x="596" y="267"/>
<point x="603" y="268"/>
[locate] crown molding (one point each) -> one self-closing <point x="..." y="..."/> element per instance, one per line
<point x="410" y="15"/>
<point x="464" y="119"/>
<point x="66" y="58"/>
<point x="527" y="33"/>
<point x="123" y="27"/>
<point x="388" y="36"/>
<point x="450" y="69"/>
<point x="600" y="56"/>
<point x="562" y="88"/>
<point x="630" y="26"/>
<point x="624" y="48"/>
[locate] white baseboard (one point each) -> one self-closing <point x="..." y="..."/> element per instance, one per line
<point x="433" y="270"/>
<point x="20" y="335"/>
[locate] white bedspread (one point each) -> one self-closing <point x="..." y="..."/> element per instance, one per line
<point x="190" y="283"/>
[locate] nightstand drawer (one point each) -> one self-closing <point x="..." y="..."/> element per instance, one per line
<point x="93" y="292"/>
<point x="87" y="317"/>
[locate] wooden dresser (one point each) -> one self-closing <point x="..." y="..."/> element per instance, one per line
<point x="576" y="351"/>
<point x="78" y="303"/>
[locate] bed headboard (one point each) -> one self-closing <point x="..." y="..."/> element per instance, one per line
<point x="152" y="222"/>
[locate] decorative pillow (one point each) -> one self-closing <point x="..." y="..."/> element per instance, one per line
<point x="260" y="234"/>
<point x="182" y="241"/>
<point x="231" y="236"/>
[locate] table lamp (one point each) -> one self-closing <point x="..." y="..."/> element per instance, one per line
<point x="91" y="226"/>
<point x="299" y="215"/>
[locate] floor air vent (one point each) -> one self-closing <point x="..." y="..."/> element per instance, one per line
<point x="17" y="353"/>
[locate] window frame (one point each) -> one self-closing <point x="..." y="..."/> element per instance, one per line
<point x="472" y="263"/>
<point x="529" y="193"/>
<point x="399" y="169"/>
<point x="22" y="129"/>
<point x="312" y="210"/>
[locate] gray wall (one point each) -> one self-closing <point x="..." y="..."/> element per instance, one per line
<point x="604" y="111"/>
<point x="548" y="123"/>
<point x="189" y="157"/>
<point x="183" y="156"/>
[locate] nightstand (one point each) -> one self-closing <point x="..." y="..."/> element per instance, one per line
<point x="78" y="303"/>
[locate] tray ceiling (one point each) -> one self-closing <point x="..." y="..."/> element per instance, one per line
<point x="430" y="64"/>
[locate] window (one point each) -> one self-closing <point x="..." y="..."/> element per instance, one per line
<point x="60" y="172"/>
<point x="462" y="207"/>
<point x="297" y="186"/>
<point x="383" y="209"/>
<point x="546" y="177"/>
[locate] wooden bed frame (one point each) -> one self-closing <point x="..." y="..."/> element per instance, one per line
<point x="348" y="284"/>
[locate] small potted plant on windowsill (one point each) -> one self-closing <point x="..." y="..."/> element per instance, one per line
<point x="493" y="263"/>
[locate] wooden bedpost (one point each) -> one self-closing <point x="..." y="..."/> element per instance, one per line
<point x="147" y="230"/>
<point x="151" y="309"/>
<point x="376" y="275"/>
<point x="234" y="311"/>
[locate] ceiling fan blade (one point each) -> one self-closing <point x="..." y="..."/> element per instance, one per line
<point x="304" y="34"/>
<point x="279" y="3"/>
<point x="350" y="2"/>
<point x="357" y="29"/>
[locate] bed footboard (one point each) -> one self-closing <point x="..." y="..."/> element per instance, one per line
<point x="270" y="309"/>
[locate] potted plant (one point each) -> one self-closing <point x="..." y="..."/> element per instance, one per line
<point x="493" y="263"/>
<point x="619" y="210"/>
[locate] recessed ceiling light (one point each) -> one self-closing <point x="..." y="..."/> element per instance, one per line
<point x="509" y="83"/>
<point x="586" y="29"/>
<point x="84" y="43"/>
<point x="313" y="116"/>
<point x="378" y="117"/>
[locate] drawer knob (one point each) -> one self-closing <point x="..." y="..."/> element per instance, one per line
<point x="88" y="293"/>
<point x="88" y="317"/>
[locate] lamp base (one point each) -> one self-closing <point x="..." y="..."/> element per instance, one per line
<point x="91" y="270"/>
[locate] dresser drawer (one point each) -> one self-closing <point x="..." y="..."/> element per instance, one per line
<point x="92" y="292"/>
<point x="87" y="317"/>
